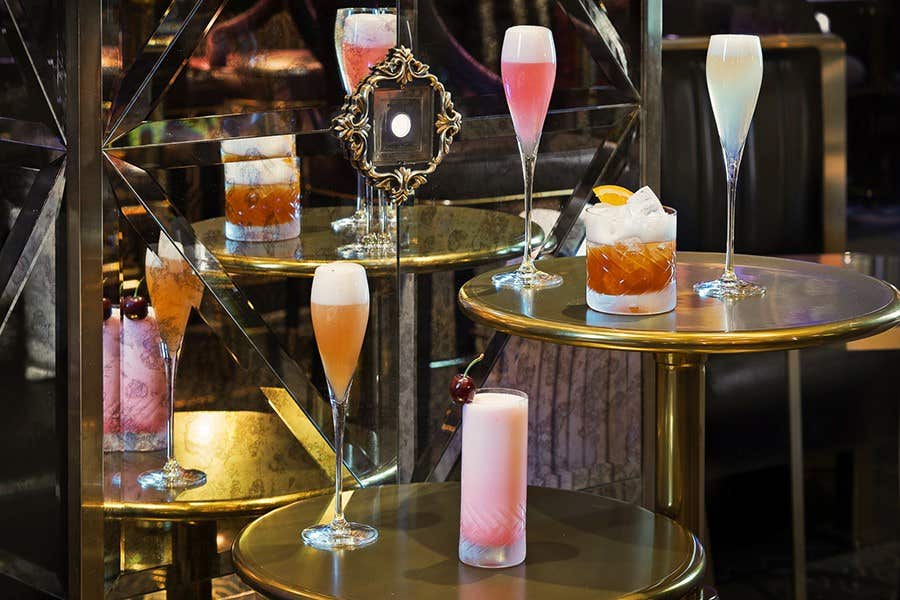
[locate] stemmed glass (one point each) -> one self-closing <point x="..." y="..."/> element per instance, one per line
<point x="174" y="289"/>
<point x="339" y="305"/>
<point x="362" y="38"/>
<point x="528" y="66"/>
<point x="734" y="71"/>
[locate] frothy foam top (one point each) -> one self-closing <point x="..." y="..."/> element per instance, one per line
<point x="259" y="172"/>
<point x="734" y="46"/>
<point x="165" y="250"/>
<point x="371" y="30"/>
<point x="642" y="219"/>
<point x="499" y="401"/>
<point x="264" y="147"/>
<point x="528" y="44"/>
<point x="340" y="283"/>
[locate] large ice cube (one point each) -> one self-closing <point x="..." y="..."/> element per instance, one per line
<point x="644" y="203"/>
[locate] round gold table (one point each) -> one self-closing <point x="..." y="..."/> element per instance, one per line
<point x="805" y="304"/>
<point x="579" y="546"/>
<point x="253" y="463"/>
<point x="432" y="238"/>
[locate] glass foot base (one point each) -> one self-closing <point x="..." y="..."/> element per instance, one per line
<point x="527" y="278"/>
<point x="728" y="289"/>
<point x="355" y="221"/>
<point x="329" y="537"/>
<point x="172" y="478"/>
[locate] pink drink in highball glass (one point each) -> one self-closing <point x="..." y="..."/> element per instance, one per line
<point x="494" y="479"/>
<point x="528" y="66"/>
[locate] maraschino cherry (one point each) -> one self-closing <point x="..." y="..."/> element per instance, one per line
<point x="134" y="307"/>
<point x="462" y="387"/>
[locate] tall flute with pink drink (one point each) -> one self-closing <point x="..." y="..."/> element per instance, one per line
<point x="528" y="66"/>
<point x="494" y="479"/>
<point x="362" y="39"/>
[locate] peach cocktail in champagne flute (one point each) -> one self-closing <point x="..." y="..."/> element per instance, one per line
<point x="339" y="305"/>
<point x="174" y="289"/>
<point x="362" y="38"/>
<point x="528" y="66"/>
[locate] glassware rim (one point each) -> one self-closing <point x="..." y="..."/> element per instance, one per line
<point x="502" y="390"/>
<point x="594" y="210"/>
<point x="370" y="10"/>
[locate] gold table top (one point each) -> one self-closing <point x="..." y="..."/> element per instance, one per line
<point x="579" y="546"/>
<point x="251" y="460"/>
<point x="805" y="304"/>
<point x="433" y="238"/>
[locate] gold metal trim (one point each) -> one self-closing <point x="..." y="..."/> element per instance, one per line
<point x="353" y="124"/>
<point x="706" y="342"/>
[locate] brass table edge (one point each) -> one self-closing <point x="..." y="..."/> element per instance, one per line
<point x="687" y="342"/>
<point x="210" y="509"/>
<point x="681" y="582"/>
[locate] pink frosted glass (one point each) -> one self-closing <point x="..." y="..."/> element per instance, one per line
<point x="144" y="405"/>
<point x="494" y="479"/>
<point x="112" y="427"/>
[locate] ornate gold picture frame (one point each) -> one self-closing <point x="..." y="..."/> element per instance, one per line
<point x="353" y="125"/>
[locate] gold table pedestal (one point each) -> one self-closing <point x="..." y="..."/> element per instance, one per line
<point x="805" y="304"/>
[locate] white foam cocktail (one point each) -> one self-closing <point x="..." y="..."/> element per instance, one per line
<point x="734" y="70"/>
<point x="339" y="304"/>
<point x="494" y="479"/>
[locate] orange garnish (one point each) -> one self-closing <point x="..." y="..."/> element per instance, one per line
<point x="612" y="194"/>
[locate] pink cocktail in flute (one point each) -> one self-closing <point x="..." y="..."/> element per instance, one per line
<point x="494" y="479"/>
<point x="365" y="41"/>
<point x="528" y="66"/>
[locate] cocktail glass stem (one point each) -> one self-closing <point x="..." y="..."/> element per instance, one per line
<point x="339" y="533"/>
<point x="728" y="285"/>
<point x="170" y="360"/>
<point x="528" y="163"/>
<point x="732" y="166"/>
<point x="527" y="275"/>
<point x="339" y="415"/>
<point x="171" y="475"/>
<point x="361" y="188"/>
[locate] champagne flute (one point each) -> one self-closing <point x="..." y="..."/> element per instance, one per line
<point x="734" y="71"/>
<point x="174" y="289"/>
<point x="339" y="305"/>
<point x="362" y="38"/>
<point x="528" y="66"/>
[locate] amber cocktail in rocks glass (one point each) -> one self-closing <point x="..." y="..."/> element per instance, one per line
<point x="631" y="257"/>
<point x="174" y="289"/>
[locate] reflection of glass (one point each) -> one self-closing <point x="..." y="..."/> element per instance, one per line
<point x="630" y="260"/>
<point x="339" y="305"/>
<point x="174" y="289"/>
<point x="528" y="66"/>
<point x="494" y="479"/>
<point x="733" y="75"/>
<point x="362" y="38"/>
<point x="262" y="195"/>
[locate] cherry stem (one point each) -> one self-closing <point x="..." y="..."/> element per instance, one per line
<point x="477" y="359"/>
